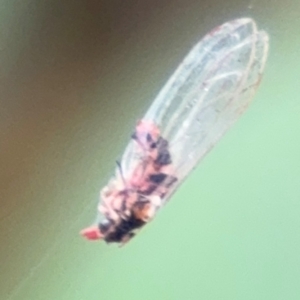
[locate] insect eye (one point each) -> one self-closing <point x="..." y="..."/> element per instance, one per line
<point x="104" y="225"/>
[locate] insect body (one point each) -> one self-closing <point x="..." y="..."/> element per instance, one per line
<point x="208" y="92"/>
<point x="128" y="204"/>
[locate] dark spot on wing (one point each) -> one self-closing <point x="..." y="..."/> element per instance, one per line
<point x="149" y="191"/>
<point x="163" y="158"/>
<point x="153" y="145"/>
<point x="162" y="143"/>
<point x="149" y="138"/>
<point x="157" y="178"/>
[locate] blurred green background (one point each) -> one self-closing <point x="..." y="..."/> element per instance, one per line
<point x="74" y="78"/>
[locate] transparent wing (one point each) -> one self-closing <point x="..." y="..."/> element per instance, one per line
<point x="210" y="89"/>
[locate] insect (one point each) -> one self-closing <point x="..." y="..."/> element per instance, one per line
<point x="207" y="93"/>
